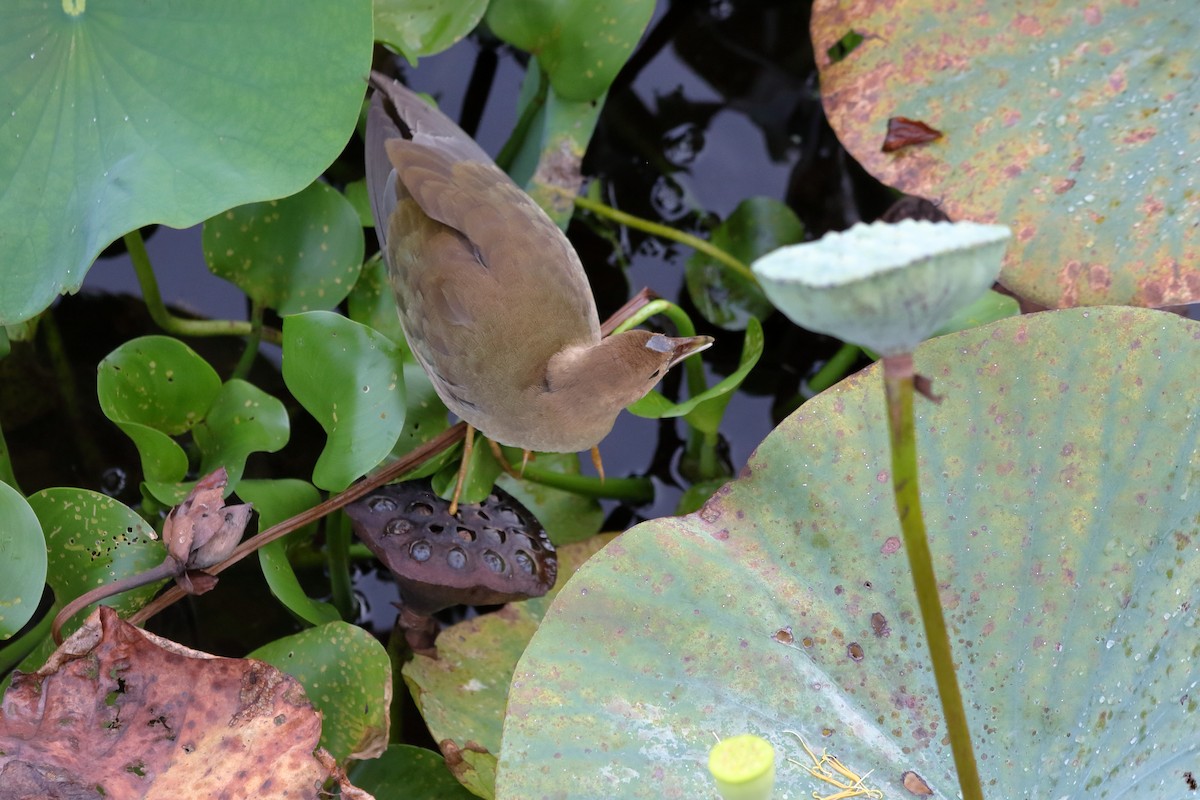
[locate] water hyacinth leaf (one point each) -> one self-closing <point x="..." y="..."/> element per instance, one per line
<point x="22" y="561"/>
<point x="884" y="286"/>
<point x="119" y="115"/>
<point x="990" y="307"/>
<point x="356" y="194"/>
<point x="426" y="416"/>
<point x="154" y="388"/>
<point x="91" y="540"/>
<point x="418" y="28"/>
<point x="705" y="409"/>
<point x="1061" y="488"/>
<point x="156" y="381"/>
<point x="243" y="419"/>
<point x="347" y="676"/>
<point x="347" y="376"/>
<point x="300" y="253"/>
<point x="463" y="692"/>
<point x="372" y="303"/>
<point x="582" y="46"/>
<point x="1058" y="119"/>
<point x="275" y="501"/>
<point x="413" y="773"/>
<point x="756" y="227"/>
<point x="482" y="472"/>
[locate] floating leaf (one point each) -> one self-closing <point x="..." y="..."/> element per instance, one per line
<point x="1061" y="479"/>
<point x="413" y="773"/>
<point x="348" y="377"/>
<point x="22" y="561"/>
<point x="243" y="419"/>
<point x="419" y="28"/>
<point x="121" y="114"/>
<point x="348" y="677"/>
<point x="1068" y="122"/>
<point x="301" y="253"/>
<point x="275" y="501"/>
<point x="118" y="712"/>
<point x="581" y="45"/>
<point x="756" y="227"/>
<point x="91" y="540"/>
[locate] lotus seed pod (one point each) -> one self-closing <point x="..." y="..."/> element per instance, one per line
<point x="744" y="767"/>
<point x="886" y="287"/>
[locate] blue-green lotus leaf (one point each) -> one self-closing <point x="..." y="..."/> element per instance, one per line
<point x="1060" y="478"/>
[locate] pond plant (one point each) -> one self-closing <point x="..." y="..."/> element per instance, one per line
<point x="1053" y="539"/>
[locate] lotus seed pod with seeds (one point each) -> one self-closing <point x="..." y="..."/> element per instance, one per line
<point x="882" y="286"/>
<point x="743" y="767"/>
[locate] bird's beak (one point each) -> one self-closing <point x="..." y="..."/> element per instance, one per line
<point x="685" y="346"/>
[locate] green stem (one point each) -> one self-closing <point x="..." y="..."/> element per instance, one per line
<point x="835" y="368"/>
<point x="692" y="367"/>
<point x="667" y="232"/>
<point x="337" y="543"/>
<point x="632" y="490"/>
<point x="64" y="377"/>
<point x="242" y="370"/>
<point x="508" y="153"/>
<point x="180" y="326"/>
<point x="898" y="385"/>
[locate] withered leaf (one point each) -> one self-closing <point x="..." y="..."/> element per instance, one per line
<point x="118" y="712"/>
<point x="904" y="132"/>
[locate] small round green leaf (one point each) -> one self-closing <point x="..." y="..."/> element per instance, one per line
<point x="243" y="419"/>
<point x="1060" y="479"/>
<point x="91" y="540"/>
<point x="347" y="676"/>
<point x="158" y="382"/>
<point x="420" y="28"/>
<point x="301" y="253"/>
<point x="348" y="377"/>
<point x="581" y="45"/>
<point x="756" y="227"/>
<point x="119" y="114"/>
<point x="22" y="561"/>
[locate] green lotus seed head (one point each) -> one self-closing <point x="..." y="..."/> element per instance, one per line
<point x="886" y="287"/>
<point x="744" y="767"/>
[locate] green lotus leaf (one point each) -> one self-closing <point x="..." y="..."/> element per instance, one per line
<point x="91" y="540"/>
<point x="300" y="253"/>
<point x="886" y="287"/>
<point x="347" y="676"/>
<point x="1069" y="122"/>
<point x="348" y="377"/>
<point x="756" y="227"/>
<point x="420" y="28"/>
<point x="120" y="114"/>
<point x="1061" y="487"/>
<point x="22" y="561"/>
<point x="581" y="45"/>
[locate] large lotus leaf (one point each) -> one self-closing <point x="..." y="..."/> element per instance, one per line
<point x="122" y="113"/>
<point x="1061" y="484"/>
<point x="1072" y="123"/>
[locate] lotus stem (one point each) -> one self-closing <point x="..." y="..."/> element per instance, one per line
<point x="898" y="385"/>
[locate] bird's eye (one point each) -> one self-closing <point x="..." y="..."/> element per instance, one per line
<point x="655" y="374"/>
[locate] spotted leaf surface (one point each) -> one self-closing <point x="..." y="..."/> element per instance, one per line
<point x="1061" y="489"/>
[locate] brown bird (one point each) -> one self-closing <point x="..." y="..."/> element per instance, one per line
<point x="492" y="297"/>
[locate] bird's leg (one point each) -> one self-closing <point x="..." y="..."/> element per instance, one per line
<point x="499" y="456"/>
<point x="468" y="449"/>
<point x="596" y="461"/>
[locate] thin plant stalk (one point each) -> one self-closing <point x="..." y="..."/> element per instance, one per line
<point x="898" y="385"/>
